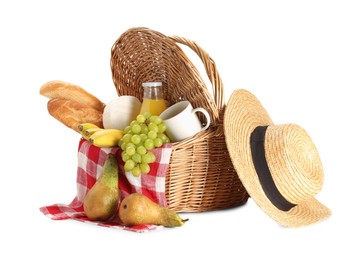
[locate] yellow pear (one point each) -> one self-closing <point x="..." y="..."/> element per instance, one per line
<point x="137" y="209"/>
<point x="101" y="201"/>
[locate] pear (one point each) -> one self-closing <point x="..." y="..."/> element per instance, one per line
<point x="101" y="201"/>
<point x="137" y="209"/>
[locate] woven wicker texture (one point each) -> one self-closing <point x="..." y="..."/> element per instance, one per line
<point x="201" y="176"/>
<point x="291" y="156"/>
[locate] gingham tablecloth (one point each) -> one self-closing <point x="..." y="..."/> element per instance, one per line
<point x="90" y="162"/>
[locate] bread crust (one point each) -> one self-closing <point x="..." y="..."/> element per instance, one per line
<point x="65" y="90"/>
<point x="72" y="113"/>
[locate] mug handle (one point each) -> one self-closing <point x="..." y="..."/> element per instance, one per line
<point x="202" y="110"/>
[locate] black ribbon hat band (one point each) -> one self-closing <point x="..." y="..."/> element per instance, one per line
<point x="257" y="140"/>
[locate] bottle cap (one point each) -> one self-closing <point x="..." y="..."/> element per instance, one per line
<point x="151" y="84"/>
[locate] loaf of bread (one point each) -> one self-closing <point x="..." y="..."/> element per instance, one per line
<point x="69" y="91"/>
<point x="72" y="113"/>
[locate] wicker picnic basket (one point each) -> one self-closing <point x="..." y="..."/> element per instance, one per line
<point x="201" y="176"/>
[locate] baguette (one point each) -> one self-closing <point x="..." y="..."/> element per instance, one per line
<point x="72" y="113"/>
<point x="69" y="91"/>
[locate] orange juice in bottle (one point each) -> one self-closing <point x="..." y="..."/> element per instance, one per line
<point x="153" y="101"/>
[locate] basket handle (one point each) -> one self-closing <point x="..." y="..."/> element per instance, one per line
<point x="210" y="67"/>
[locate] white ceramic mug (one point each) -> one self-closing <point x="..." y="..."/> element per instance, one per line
<point x="182" y="122"/>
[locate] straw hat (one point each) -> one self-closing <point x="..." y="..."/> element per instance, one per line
<point x="278" y="165"/>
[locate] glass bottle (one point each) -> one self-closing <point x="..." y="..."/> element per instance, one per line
<point x="153" y="101"/>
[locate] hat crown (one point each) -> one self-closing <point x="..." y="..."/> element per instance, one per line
<point x="293" y="161"/>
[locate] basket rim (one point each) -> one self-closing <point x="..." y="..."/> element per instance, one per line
<point x="214" y="100"/>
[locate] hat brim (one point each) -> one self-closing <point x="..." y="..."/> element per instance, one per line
<point x="243" y="114"/>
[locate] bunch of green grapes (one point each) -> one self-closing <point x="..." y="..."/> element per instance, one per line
<point x="143" y="134"/>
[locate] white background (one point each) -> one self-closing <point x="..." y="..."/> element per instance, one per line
<point x="302" y="59"/>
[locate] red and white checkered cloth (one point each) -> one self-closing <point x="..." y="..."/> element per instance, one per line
<point x="90" y="162"/>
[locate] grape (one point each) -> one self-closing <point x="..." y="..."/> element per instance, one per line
<point x="152" y="134"/>
<point x="127" y="129"/>
<point x="125" y="156"/>
<point x="161" y="127"/>
<point x="122" y="144"/>
<point x="136" y="139"/>
<point x="149" y="144"/>
<point x="145" y="168"/>
<point x="148" y="158"/>
<point x="142" y="135"/>
<point x="136" y="128"/>
<point x="163" y="137"/>
<point x="127" y="138"/>
<point x="155" y="119"/>
<point x="141" y="150"/>
<point x="145" y="159"/>
<point x="130" y="145"/>
<point x="152" y="127"/>
<point x="136" y="158"/>
<point x="158" y="142"/>
<point x="140" y="119"/>
<point x="129" y="165"/>
<point x="130" y="150"/>
<point x="147" y="115"/>
<point x="144" y="129"/>
<point x="136" y="171"/>
<point x="152" y="157"/>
